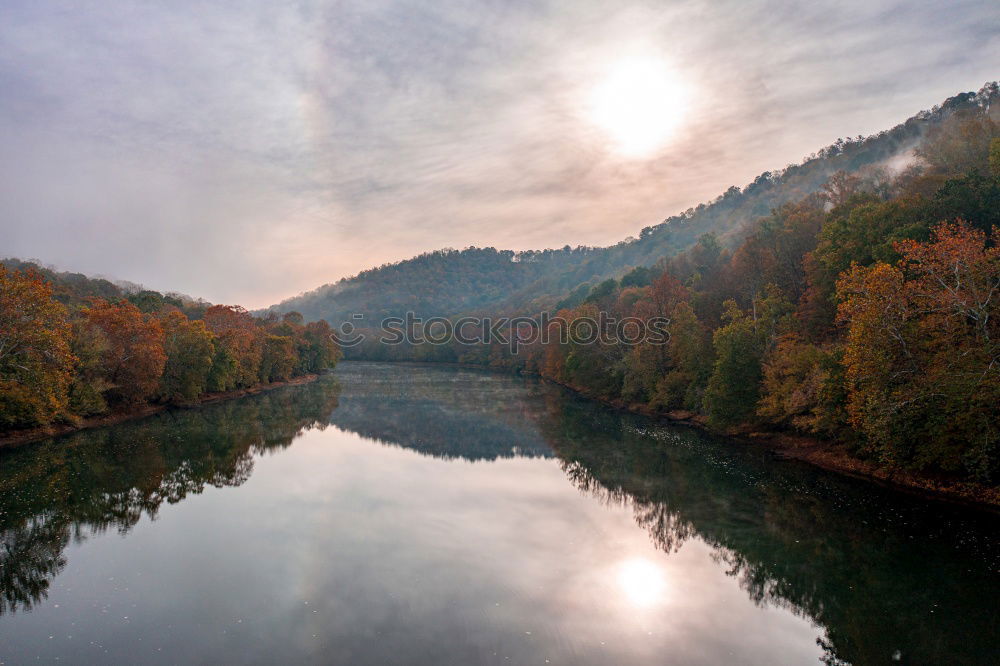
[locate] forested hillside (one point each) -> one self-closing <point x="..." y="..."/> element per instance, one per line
<point x="451" y="282"/>
<point x="73" y="347"/>
<point x="866" y="313"/>
<point x="75" y="290"/>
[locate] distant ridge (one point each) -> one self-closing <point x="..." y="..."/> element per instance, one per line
<point x="450" y="282"/>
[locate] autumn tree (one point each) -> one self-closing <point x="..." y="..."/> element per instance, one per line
<point x="35" y="359"/>
<point x="239" y="342"/>
<point x="133" y="358"/>
<point x="646" y="361"/>
<point x="922" y="355"/>
<point x="817" y="307"/>
<point x="772" y="253"/>
<point x="554" y="358"/>
<point x="803" y="387"/>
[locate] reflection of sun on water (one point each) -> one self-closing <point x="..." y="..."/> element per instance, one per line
<point x="639" y="104"/>
<point x="641" y="581"/>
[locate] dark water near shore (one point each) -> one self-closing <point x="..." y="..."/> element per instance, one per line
<point x="423" y="515"/>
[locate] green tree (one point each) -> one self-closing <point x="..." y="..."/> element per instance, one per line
<point x="317" y="350"/>
<point x="640" y="276"/>
<point x="734" y="387"/>
<point x="278" y="358"/>
<point x="189" y="348"/>
<point x="995" y="157"/>
<point x="690" y="354"/>
<point x="740" y="347"/>
<point x="863" y="232"/>
<point x="224" y="373"/>
<point x="974" y="198"/>
<point x="89" y="346"/>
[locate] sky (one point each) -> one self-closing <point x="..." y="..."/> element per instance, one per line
<point x="245" y="151"/>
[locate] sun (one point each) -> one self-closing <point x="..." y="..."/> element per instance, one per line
<point x="639" y="103"/>
<point x="641" y="582"/>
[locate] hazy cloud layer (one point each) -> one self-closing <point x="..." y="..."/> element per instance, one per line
<point x="245" y="151"/>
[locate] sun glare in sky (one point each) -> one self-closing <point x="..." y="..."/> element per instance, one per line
<point x="639" y="103"/>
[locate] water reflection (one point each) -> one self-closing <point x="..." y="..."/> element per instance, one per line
<point x="642" y="581"/>
<point x="64" y="490"/>
<point x="881" y="573"/>
<point x="875" y="572"/>
<point x="472" y="415"/>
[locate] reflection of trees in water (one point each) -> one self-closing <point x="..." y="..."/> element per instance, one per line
<point x="107" y="479"/>
<point x="31" y="555"/>
<point x="665" y="527"/>
<point x="440" y="412"/>
<point x="854" y="560"/>
<point x="865" y="565"/>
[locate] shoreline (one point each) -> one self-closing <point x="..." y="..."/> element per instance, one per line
<point x="830" y="456"/>
<point x="827" y="455"/>
<point x="17" y="438"/>
<point x="834" y="457"/>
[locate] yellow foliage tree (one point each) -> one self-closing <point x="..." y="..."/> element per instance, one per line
<point x="35" y="359"/>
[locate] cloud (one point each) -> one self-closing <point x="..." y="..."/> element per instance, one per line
<point x="246" y="151"/>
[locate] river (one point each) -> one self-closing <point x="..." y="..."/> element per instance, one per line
<point x="398" y="514"/>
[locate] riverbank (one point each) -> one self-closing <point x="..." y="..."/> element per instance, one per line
<point x="831" y="456"/>
<point x="29" y="435"/>
<point x="836" y="457"/>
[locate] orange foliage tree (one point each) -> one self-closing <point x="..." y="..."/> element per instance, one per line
<point x="35" y="359"/>
<point x="132" y="358"/>
<point x="238" y="341"/>
<point x="922" y="356"/>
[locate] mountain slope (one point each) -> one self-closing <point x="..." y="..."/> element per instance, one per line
<point x="450" y="282"/>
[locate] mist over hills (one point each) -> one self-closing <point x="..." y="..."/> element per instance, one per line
<point x="76" y="290"/>
<point x="450" y="282"/>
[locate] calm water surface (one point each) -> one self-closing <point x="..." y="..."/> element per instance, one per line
<point x="400" y="514"/>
